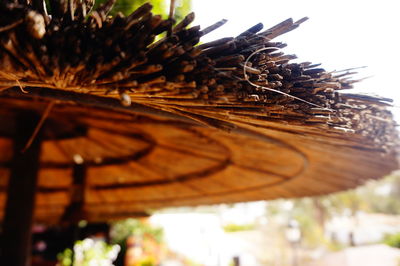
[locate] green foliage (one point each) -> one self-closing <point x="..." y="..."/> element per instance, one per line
<point x="393" y="240"/>
<point x="349" y="200"/>
<point x="390" y="203"/>
<point x="147" y="262"/>
<point x="65" y="258"/>
<point x="89" y="252"/>
<point x="312" y="234"/>
<point x="183" y="7"/>
<point x="306" y="213"/>
<point x="121" y="230"/>
<point x="381" y="196"/>
<point x="128" y="6"/>
<point x="230" y="228"/>
<point x="160" y="7"/>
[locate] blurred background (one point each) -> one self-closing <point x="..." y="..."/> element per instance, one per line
<point x="356" y="227"/>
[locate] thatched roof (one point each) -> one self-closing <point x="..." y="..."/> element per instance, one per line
<point x="171" y="122"/>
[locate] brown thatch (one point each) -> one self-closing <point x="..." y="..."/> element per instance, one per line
<point x="171" y="122"/>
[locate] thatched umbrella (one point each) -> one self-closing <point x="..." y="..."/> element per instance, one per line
<point x="111" y="122"/>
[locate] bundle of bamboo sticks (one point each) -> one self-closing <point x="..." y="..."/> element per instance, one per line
<point x="149" y="60"/>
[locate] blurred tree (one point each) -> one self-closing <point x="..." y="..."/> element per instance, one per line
<point x="128" y="6"/>
<point x="393" y="240"/>
<point x="320" y="212"/>
<point x="122" y="230"/>
<point x="183" y="7"/>
<point x="383" y="196"/>
<point x="349" y="201"/>
<point x="89" y="252"/>
<point x="310" y="213"/>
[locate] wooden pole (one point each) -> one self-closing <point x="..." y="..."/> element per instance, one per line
<point x="18" y="219"/>
<point x="74" y="213"/>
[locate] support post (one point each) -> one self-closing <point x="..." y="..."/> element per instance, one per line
<point x="74" y="212"/>
<point x="19" y="210"/>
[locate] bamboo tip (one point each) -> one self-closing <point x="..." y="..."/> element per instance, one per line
<point x="301" y="20"/>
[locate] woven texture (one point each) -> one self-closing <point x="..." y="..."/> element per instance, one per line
<point x="174" y="123"/>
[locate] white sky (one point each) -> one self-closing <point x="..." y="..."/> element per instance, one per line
<point x="340" y="34"/>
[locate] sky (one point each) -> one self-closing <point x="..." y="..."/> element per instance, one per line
<point x="339" y="34"/>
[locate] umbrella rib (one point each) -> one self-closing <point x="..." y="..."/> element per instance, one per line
<point x="39" y="125"/>
<point x="137" y="154"/>
<point x="94" y="101"/>
<point x="169" y="200"/>
<point x="182" y="178"/>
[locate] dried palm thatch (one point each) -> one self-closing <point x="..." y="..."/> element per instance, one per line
<point x="101" y="55"/>
<point x="287" y="131"/>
